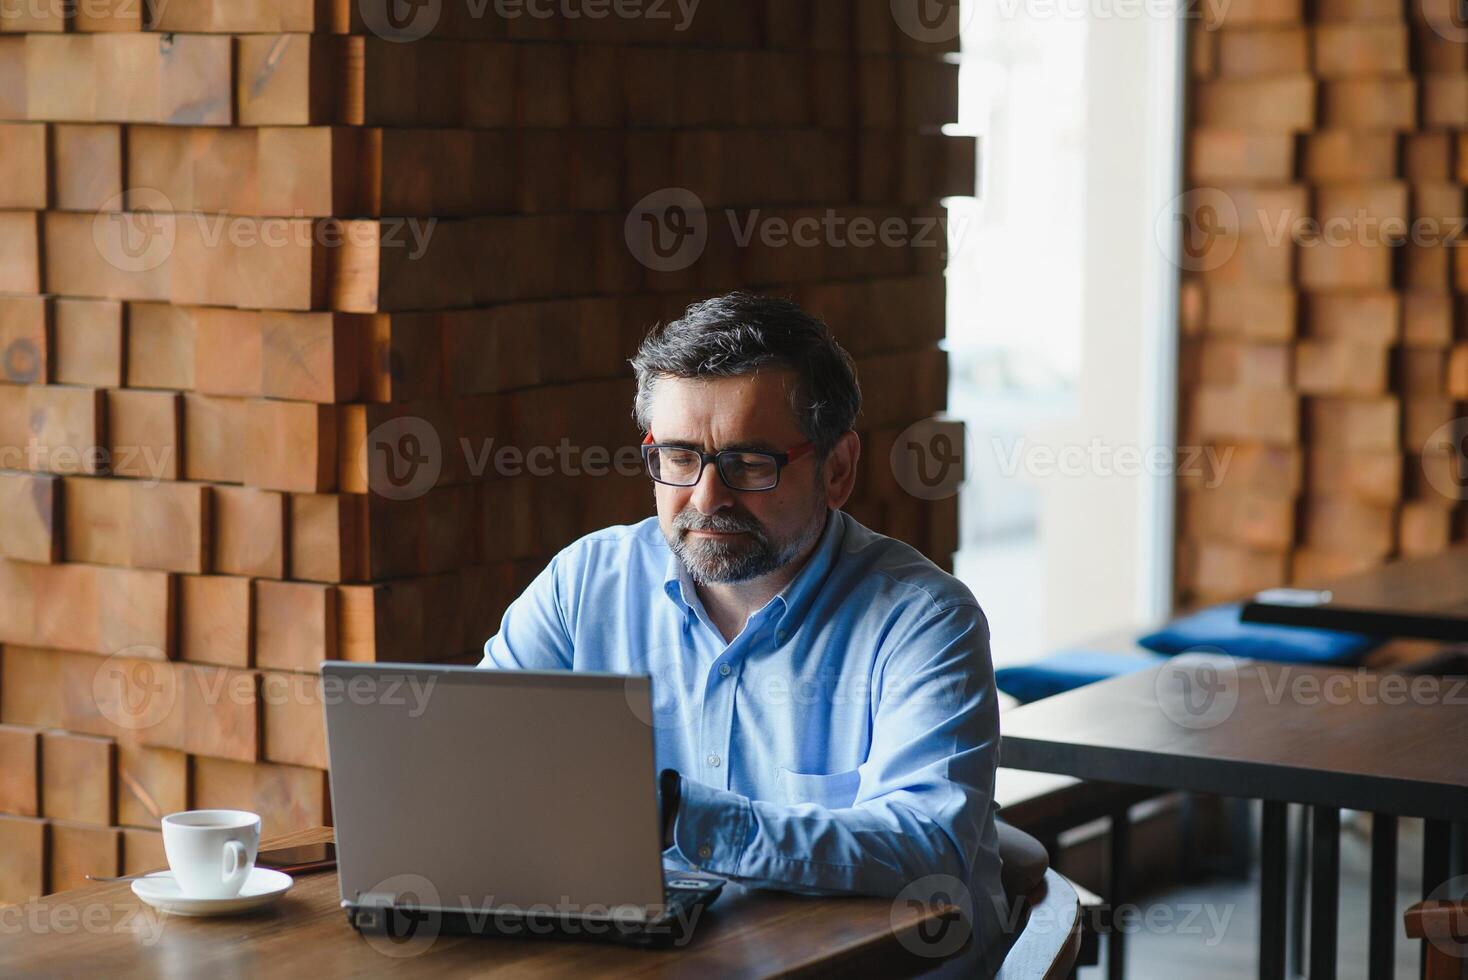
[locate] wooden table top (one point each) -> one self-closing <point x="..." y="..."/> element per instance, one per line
<point x="1388" y="743"/>
<point x="1426" y="598"/>
<point x="105" y="931"/>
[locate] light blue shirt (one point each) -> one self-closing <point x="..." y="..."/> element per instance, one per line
<point x="845" y="741"/>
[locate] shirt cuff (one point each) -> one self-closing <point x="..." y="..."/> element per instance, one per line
<point x="712" y="828"/>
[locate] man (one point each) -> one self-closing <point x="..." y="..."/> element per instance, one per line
<point x="827" y="719"/>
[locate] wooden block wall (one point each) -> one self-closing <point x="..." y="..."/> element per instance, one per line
<point x="238" y="240"/>
<point x="1324" y="352"/>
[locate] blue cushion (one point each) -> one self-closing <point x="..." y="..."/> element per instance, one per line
<point x="1219" y="629"/>
<point x="1068" y="670"/>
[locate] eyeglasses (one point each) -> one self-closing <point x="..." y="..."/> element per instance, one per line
<point x="679" y="466"/>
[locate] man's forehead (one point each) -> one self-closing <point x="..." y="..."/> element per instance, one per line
<point x="749" y="405"/>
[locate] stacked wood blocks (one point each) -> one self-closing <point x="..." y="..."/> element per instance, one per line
<point x="1324" y="359"/>
<point x="237" y="240"/>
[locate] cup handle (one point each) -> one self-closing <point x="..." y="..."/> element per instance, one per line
<point x="236" y="864"/>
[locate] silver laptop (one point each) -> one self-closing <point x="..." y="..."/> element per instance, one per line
<point x="501" y="802"/>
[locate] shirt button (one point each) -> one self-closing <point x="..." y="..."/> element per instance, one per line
<point x="705" y="852"/>
<point x="780" y="636"/>
<point x="725" y="670"/>
<point x="714" y="760"/>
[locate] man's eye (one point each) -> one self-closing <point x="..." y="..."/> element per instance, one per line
<point x="679" y="459"/>
<point x="752" y="464"/>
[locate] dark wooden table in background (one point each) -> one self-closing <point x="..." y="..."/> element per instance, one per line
<point x="1260" y="737"/>
<point x="1423" y="598"/>
<point x="745" y="933"/>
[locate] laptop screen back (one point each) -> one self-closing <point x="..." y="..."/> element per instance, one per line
<point x="480" y="789"/>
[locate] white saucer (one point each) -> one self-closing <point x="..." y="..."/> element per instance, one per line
<point x="263" y="886"/>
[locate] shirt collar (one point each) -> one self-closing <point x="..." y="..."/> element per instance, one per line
<point x="794" y="599"/>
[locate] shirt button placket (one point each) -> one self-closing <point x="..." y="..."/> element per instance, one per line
<point x="715" y="728"/>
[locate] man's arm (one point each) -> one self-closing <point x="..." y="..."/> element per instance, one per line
<point x="533" y="633"/>
<point x="925" y="789"/>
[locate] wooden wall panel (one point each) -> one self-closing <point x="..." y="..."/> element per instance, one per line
<point x="276" y="291"/>
<point x="1355" y="108"/>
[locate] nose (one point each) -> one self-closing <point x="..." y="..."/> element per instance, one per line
<point x="710" y="495"/>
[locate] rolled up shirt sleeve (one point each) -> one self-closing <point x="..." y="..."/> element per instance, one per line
<point x="925" y="791"/>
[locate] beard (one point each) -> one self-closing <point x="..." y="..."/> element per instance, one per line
<point x="724" y="561"/>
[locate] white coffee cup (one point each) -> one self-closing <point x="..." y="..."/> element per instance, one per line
<point x="211" y="852"/>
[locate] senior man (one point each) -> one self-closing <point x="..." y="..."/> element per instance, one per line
<point x="827" y="718"/>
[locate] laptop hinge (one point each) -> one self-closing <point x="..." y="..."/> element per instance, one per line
<point x="372" y="911"/>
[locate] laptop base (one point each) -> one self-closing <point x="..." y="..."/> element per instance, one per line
<point x="687" y="897"/>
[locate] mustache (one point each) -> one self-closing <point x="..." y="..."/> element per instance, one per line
<point x="692" y="520"/>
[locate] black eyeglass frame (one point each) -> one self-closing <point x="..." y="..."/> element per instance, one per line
<point x="781" y="461"/>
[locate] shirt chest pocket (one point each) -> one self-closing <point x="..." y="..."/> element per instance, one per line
<point x="833" y="791"/>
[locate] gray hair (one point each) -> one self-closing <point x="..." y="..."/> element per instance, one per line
<point x="740" y="333"/>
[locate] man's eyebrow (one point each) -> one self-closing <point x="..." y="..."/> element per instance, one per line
<point x="748" y="446"/>
<point x="755" y="446"/>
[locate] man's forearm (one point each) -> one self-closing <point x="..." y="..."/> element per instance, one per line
<point x="877" y="848"/>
